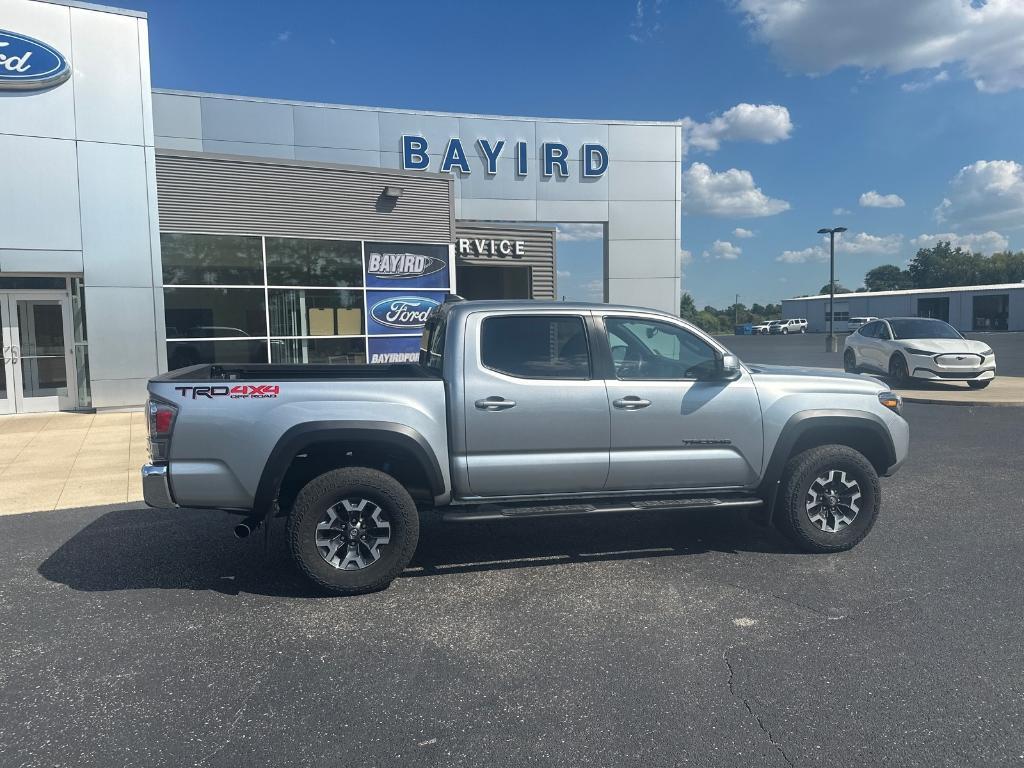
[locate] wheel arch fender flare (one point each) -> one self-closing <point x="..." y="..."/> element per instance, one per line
<point x="302" y="436"/>
<point x="803" y="423"/>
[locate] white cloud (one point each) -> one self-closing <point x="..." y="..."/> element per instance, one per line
<point x="723" y="249"/>
<point x="729" y="193"/>
<point x="646" y="20"/>
<point x="814" y="253"/>
<point x="841" y="212"/>
<point x="981" y="242"/>
<point x="923" y="85"/>
<point x="284" y="37"/>
<point x="860" y="243"/>
<point x="762" y="123"/>
<point x="819" y="36"/>
<point x="740" y="232"/>
<point x="863" y="243"/>
<point x="685" y="257"/>
<point x="564" y="273"/>
<point x="987" y="194"/>
<point x="594" y="290"/>
<point x="873" y="199"/>
<point x="571" y="232"/>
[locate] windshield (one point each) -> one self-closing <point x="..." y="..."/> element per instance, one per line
<point x="923" y="328"/>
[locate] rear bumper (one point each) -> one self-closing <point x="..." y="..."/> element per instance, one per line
<point x="156" y="487"/>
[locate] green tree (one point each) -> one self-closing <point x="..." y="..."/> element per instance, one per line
<point x="887" y="277"/>
<point x="687" y="309"/>
<point x="839" y="288"/>
<point x="708" y="321"/>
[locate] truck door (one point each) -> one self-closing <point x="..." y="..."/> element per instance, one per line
<point x="536" y="414"/>
<point x="672" y="425"/>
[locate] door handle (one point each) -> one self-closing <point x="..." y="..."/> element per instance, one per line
<point x="631" y="403"/>
<point x="495" y="403"/>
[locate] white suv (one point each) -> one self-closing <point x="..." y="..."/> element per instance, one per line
<point x="794" y="325"/>
<point x="905" y="348"/>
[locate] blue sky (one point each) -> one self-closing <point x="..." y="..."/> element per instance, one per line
<point x="865" y="114"/>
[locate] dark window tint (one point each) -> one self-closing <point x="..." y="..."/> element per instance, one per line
<point x="536" y="347"/>
<point x="181" y="354"/>
<point x="332" y="351"/>
<point x="648" y="349"/>
<point x="923" y="329"/>
<point x="214" y="312"/>
<point x="432" y="343"/>
<point x="869" y="330"/>
<point x="211" y="259"/>
<point x="33" y="283"/>
<point x="328" y="263"/>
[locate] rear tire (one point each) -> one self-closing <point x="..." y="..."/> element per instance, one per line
<point x="850" y="361"/>
<point x="979" y="384"/>
<point x="353" y="530"/>
<point x="829" y="500"/>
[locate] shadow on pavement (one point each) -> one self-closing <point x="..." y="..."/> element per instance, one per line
<point x="130" y="549"/>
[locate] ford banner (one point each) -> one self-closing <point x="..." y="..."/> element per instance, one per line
<point x="395" y="349"/>
<point x="404" y="265"/>
<point x="393" y="313"/>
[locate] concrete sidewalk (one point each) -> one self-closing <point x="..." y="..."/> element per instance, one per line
<point x="60" y="460"/>
<point x="1004" y="390"/>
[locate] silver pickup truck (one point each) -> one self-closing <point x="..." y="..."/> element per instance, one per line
<point x="518" y="410"/>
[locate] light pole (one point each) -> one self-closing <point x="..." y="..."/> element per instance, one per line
<point x="830" y="341"/>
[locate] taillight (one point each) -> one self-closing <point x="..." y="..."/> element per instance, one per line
<point x="161" y="416"/>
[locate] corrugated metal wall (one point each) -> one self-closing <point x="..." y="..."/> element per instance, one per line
<point x="539" y="247"/>
<point x="221" y="194"/>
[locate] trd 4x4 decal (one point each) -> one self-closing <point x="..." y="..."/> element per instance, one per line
<point x="237" y="392"/>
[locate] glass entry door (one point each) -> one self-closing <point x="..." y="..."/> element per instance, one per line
<point x="38" y="354"/>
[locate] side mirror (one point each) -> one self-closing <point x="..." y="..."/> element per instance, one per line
<point x="728" y="367"/>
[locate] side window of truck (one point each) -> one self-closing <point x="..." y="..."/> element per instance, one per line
<point x="536" y="347"/>
<point x="649" y="349"/>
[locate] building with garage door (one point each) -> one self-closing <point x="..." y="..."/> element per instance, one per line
<point x="966" y="308"/>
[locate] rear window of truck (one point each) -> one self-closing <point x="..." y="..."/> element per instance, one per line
<point x="536" y="347"/>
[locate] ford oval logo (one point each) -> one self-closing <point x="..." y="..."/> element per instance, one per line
<point x="403" y="311"/>
<point x="28" y="64"/>
<point x="398" y="266"/>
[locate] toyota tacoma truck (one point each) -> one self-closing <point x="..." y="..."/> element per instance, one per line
<point x="518" y="410"/>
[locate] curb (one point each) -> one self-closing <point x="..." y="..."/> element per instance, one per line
<point x="924" y="400"/>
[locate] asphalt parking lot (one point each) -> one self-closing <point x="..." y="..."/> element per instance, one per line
<point x="809" y="349"/>
<point x="132" y="636"/>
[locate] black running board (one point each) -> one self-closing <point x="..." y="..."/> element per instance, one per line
<point x="521" y="510"/>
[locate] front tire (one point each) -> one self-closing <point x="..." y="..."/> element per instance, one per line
<point x="353" y="530"/>
<point x="829" y="500"/>
<point x="898" y="372"/>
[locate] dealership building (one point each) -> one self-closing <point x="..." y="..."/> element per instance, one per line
<point x="966" y="308"/>
<point x="144" y="229"/>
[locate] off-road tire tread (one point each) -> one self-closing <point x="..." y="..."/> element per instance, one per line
<point x="791" y="495"/>
<point x="398" y="501"/>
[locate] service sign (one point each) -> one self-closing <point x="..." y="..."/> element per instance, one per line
<point x="394" y="313"/>
<point x="404" y="265"/>
<point x="397" y="349"/>
<point x="27" y="64"/>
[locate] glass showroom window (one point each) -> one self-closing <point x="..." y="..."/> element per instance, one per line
<point x="314" y="263"/>
<point x="252" y="299"/>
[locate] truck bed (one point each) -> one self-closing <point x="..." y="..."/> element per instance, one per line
<point x="290" y="372"/>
